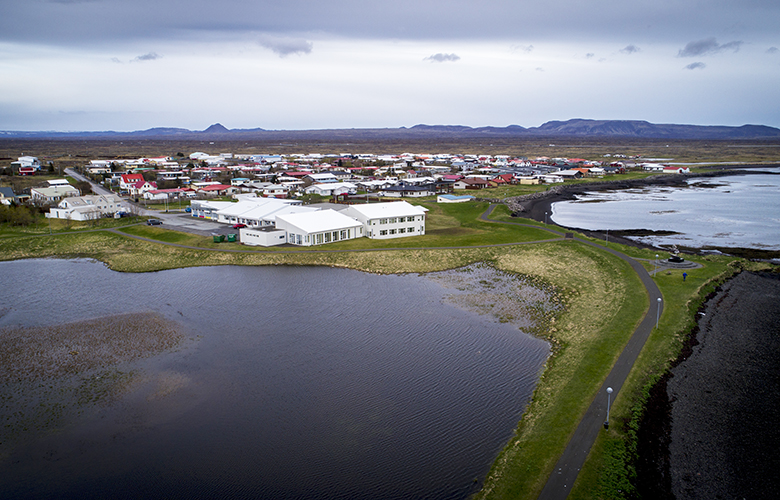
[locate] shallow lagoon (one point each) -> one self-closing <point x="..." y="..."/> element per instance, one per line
<point x="291" y="383"/>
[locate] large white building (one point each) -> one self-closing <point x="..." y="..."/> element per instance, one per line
<point x="318" y="228"/>
<point x="393" y="219"/>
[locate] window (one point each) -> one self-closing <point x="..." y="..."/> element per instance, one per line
<point x="392" y="231"/>
<point x="383" y="221"/>
<point x="335" y="236"/>
<point x="401" y="231"/>
<point x="319" y="238"/>
<point x="344" y="235"/>
<point x="410" y="230"/>
<point x="327" y="237"/>
<point x="383" y="232"/>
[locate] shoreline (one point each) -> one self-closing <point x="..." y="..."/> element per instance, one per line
<point x="699" y="433"/>
<point x="538" y="207"/>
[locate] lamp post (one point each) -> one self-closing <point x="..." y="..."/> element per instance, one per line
<point x="656" y="265"/>
<point x="545" y="217"/>
<point x="658" y="312"/>
<point x="609" y="395"/>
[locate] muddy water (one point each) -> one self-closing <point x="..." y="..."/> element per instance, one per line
<point x="279" y="382"/>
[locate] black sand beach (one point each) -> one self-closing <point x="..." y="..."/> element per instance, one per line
<point x="711" y="430"/>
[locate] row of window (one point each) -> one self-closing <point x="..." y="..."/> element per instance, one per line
<point x="394" y="220"/>
<point x="400" y="230"/>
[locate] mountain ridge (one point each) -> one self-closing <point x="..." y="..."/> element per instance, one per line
<point x="576" y="127"/>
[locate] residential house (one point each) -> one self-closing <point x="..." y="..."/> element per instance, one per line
<point x="677" y="170"/>
<point x="407" y="190"/>
<point x="331" y="188"/>
<point x="87" y="207"/>
<point x="393" y="219"/>
<point x="52" y="194"/>
<point x="7" y="196"/>
<point x="127" y="181"/>
<point x="471" y="183"/>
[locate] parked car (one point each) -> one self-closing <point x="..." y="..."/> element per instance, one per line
<point x="238" y="226"/>
<point x="188" y="209"/>
<point x="154" y="222"/>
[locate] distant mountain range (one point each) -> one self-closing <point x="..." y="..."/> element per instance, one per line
<point x="570" y="128"/>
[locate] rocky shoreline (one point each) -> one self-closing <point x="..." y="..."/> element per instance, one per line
<point x="710" y="430"/>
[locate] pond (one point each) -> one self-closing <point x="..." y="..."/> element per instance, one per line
<point x="284" y="382"/>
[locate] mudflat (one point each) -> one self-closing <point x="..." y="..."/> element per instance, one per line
<point x="725" y="404"/>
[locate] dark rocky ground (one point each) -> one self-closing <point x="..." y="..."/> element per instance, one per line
<point x="711" y="430"/>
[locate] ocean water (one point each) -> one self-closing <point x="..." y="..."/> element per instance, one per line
<point x="740" y="211"/>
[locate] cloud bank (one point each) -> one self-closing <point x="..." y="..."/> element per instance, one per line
<point x="707" y="46"/>
<point x="443" y="58"/>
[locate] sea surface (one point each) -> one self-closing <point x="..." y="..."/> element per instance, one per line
<point x="294" y="382"/>
<point x="740" y="211"/>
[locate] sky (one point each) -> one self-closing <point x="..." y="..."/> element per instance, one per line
<point x="93" y="65"/>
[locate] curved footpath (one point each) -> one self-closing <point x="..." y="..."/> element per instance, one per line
<point x="568" y="467"/>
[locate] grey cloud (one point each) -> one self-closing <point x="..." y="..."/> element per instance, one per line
<point x="284" y="47"/>
<point x="116" y="60"/>
<point x="772" y="50"/>
<point x="696" y="65"/>
<point x="151" y="56"/>
<point x="83" y="22"/>
<point x="443" y="57"/>
<point x="590" y="55"/>
<point x="707" y="46"/>
<point x="524" y="48"/>
<point x="630" y="49"/>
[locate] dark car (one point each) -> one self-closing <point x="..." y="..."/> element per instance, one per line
<point x="238" y="226"/>
<point x="154" y="222"/>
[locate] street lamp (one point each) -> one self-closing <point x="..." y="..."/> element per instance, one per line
<point x="609" y="395"/>
<point x="658" y="312"/>
<point x="656" y="265"/>
<point x="545" y="217"/>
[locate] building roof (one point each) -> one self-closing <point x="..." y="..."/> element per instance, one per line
<point x="388" y="209"/>
<point x="319" y="221"/>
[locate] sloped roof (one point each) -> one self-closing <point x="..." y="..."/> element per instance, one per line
<point x="319" y="221"/>
<point x="388" y="209"/>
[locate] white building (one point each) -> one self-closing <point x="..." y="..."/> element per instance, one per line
<point x="52" y="194"/>
<point x="332" y="189"/>
<point x="318" y="228"/>
<point x="395" y="219"/>
<point x="88" y="207"/>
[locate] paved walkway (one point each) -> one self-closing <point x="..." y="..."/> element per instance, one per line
<point x="568" y="467"/>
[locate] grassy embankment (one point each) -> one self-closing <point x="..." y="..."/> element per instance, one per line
<point x="604" y="301"/>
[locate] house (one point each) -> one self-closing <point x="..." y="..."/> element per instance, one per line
<point x="406" y="190"/>
<point x="27" y="165"/>
<point x="471" y="183"/>
<point x="394" y="219"/>
<point x="88" y="207"/>
<point x="570" y="174"/>
<point x="141" y="187"/>
<point x="677" y="170"/>
<point x="332" y="189"/>
<point x="127" y="181"/>
<point x="318" y="228"/>
<point x="653" y="167"/>
<point x="52" y="194"/>
<point x="7" y="196"/>
<point x="217" y="190"/>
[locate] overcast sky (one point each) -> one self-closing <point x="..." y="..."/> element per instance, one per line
<point x="126" y="65"/>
